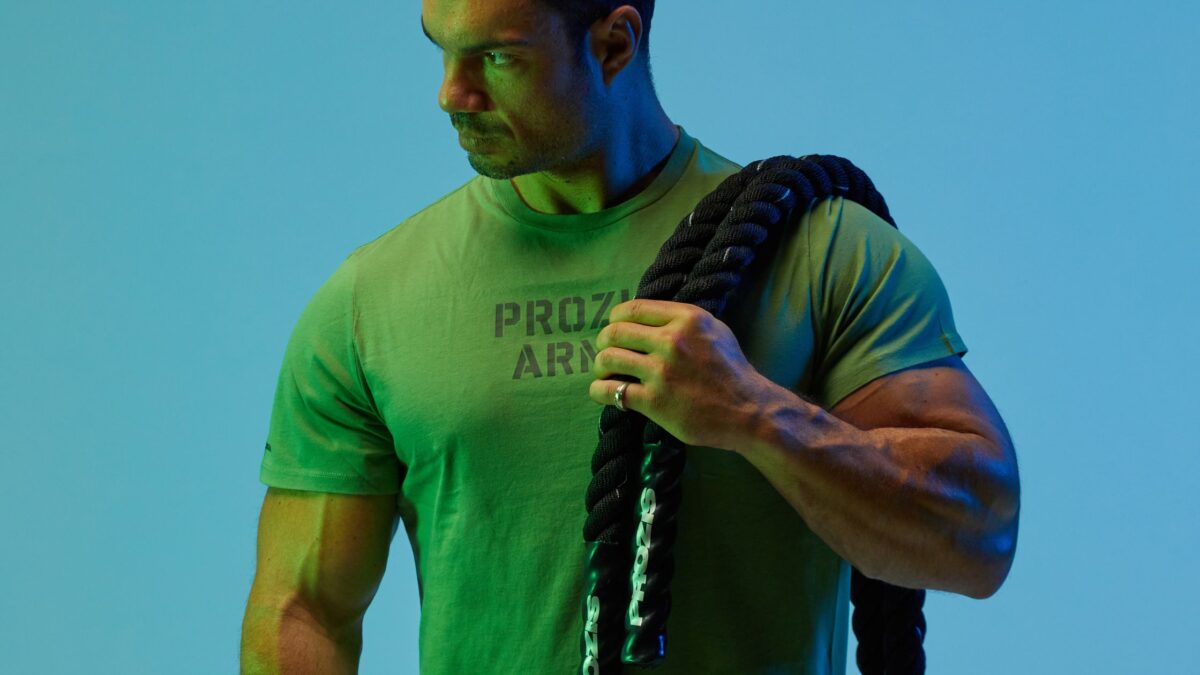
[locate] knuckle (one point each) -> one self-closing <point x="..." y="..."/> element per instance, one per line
<point x="676" y="342"/>
<point x="609" y="334"/>
<point x="659" y="371"/>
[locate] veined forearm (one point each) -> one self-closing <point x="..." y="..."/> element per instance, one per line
<point x="915" y="507"/>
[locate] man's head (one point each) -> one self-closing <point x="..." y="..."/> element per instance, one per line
<point x="541" y="81"/>
<point x="578" y="16"/>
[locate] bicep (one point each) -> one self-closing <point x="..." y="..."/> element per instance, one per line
<point x="943" y="394"/>
<point x="938" y="393"/>
<point x="323" y="552"/>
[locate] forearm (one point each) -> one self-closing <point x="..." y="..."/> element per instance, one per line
<point x="915" y="507"/>
<point x="290" y="642"/>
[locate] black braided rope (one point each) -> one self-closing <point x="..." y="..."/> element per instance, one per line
<point x="631" y="524"/>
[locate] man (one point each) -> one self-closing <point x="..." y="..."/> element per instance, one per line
<point x="449" y="375"/>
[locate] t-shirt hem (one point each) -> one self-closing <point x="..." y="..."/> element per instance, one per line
<point x="948" y="344"/>
<point x="315" y="481"/>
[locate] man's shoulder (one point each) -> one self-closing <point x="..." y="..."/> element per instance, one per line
<point x="840" y="219"/>
<point x="711" y="162"/>
<point x="427" y="220"/>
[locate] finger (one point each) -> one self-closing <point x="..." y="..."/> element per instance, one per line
<point x="627" y="399"/>
<point x="633" y="336"/>
<point x="618" y="361"/>
<point x="646" y="311"/>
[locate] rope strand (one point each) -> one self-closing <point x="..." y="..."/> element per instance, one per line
<point x="631" y="521"/>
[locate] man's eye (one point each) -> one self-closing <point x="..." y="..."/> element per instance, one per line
<point x="502" y="56"/>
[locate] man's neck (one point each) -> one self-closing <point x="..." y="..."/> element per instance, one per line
<point x="620" y="173"/>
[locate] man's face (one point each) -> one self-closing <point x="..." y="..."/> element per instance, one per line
<point x="533" y="106"/>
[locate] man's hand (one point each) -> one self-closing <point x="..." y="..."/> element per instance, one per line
<point x="691" y="376"/>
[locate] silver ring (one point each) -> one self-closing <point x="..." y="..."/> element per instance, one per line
<point x="619" y="396"/>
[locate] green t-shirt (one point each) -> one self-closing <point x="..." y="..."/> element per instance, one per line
<point x="448" y="362"/>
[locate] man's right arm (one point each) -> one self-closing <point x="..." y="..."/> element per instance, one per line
<point x="321" y="557"/>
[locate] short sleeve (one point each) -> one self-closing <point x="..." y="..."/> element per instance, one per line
<point x="879" y="304"/>
<point x="325" y="432"/>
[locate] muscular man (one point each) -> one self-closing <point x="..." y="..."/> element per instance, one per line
<point x="449" y="376"/>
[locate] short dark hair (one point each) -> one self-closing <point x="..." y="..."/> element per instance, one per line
<point x="579" y="15"/>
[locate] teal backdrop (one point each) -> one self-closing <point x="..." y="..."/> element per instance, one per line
<point x="177" y="179"/>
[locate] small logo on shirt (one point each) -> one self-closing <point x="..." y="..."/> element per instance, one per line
<point x="268" y="446"/>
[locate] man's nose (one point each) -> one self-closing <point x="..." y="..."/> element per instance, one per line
<point x="459" y="93"/>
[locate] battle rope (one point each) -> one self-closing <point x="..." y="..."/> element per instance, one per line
<point x="630" y="528"/>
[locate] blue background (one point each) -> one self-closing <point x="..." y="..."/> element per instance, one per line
<point x="177" y="179"/>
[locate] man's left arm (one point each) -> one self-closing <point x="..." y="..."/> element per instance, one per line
<point x="912" y="478"/>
